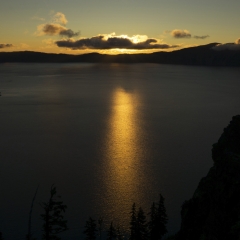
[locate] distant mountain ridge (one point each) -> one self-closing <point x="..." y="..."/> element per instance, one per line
<point x="203" y="55"/>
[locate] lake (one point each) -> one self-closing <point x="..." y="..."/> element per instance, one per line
<point x="107" y="135"/>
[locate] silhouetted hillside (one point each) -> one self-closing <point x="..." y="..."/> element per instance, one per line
<point x="203" y="55"/>
<point x="213" y="213"/>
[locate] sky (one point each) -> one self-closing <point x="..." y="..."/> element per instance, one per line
<point x="116" y="26"/>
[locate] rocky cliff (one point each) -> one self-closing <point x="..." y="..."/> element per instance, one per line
<point x="213" y="213"/>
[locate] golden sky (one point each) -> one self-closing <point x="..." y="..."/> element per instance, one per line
<point x="111" y="26"/>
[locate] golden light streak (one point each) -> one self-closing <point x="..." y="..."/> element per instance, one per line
<point x="123" y="157"/>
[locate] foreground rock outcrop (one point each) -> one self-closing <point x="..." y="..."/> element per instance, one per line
<point x="213" y="213"/>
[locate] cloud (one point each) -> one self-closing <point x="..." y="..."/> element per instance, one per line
<point x="111" y="42"/>
<point x="178" y="33"/>
<point x="60" y="18"/>
<point x="55" y="29"/>
<point x="201" y="37"/>
<point x="7" y="45"/>
<point x="237" y="41"/>
<point x="228" y="46"/>
<point x="69" y="33"/>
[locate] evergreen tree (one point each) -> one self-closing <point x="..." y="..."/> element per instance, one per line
<point x="112" y="232"/>
<point x="158" y="220"/>
<point x="100" y="223"/>
<point x="152" y="222"/>
<point x="1" y="238"/>
<point x="141" y="226"/>
<point x="119" y="234"/>
<point x="53" y="218"/>
<point x="133" y="222"/>
<point x="90" y="229"/>
<point x="162" y="217"/>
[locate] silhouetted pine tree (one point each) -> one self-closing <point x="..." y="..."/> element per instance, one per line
<point x="162" y="215"/>
<point x="112" y="232"/>
<point x="1" y="237"/>
<point x="133" y="222"/>
<point x="119" y="234"/>
<point x="152" y="222"/>
<point x="53" y="218"/>
<point x="141" y="226"/>
<point x="90" y="229"/>
<point x="158" y="220"/>
<point x="100" y="223"/>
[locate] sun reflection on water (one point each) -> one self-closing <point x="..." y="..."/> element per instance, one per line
<point x="124" y="175"/>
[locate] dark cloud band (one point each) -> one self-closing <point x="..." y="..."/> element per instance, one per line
<point x="3" y="45"/>
<point x="201" y="37"/>
<point x="99" y="42"/>
<point x="177" y="33"/>
<point x="56" y="29"/>
<point x="69" y="33"/>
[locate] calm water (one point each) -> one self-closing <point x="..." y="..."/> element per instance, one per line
<point x="107" y="136"/>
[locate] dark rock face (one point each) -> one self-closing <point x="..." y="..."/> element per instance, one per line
<point x="213" y="213"/>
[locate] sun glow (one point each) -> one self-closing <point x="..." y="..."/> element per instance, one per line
<point x="134" y="38"/>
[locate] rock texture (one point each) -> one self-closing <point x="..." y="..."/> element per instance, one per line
<point x="213" y="213"/>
